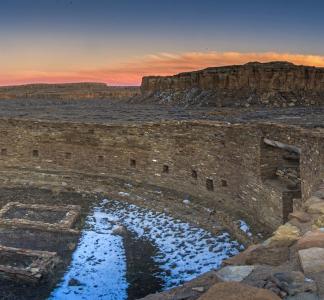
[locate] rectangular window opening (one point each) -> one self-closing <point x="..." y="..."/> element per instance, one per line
<point x="194" y="174"/>
<point x="68" y="155"/>
<point x="224" y="183"/>
<point x="3" y="151"/>
<point x="35" y="153"/>
<point x="100" y="158"/>
<point x="165" y="169"/>
<point x="209" y="184"/>
<point x="133" y="163"/>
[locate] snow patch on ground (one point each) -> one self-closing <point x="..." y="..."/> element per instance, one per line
<point x="99" y="262"/>
<point x="185" y="251"/>
<point x="245" y="228"/>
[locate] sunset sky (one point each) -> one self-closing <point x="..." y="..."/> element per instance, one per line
<point x="119" y="41"/>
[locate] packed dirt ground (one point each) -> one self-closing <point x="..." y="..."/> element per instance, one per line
<point x="108" y="111"/>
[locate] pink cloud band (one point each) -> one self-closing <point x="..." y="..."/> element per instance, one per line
<point x="132" y="71"/>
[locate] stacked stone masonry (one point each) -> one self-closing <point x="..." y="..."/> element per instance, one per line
<point x="223" y="165"/>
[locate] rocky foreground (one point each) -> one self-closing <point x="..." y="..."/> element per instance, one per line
<point x="274" y="84"/>
<point x="289" y="265"/>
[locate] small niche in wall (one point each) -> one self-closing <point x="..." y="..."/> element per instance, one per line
<point x="209" y="184"/>
<point x="165" y="169"/>
<point x="35" y="153"/>
<point x="133" y="163"/>
<point x="194" y="174"/>
<point x="224" y="182"/>
<point x="4" y="151"/>
<point x="100" y="158"/>
<point x="91" y="131"/>
<point x="68" y="155"/>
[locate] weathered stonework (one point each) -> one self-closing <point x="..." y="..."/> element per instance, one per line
<point x="26" y="265"/>
<point x="221" y="164"/>
<point x="50" y="218"/>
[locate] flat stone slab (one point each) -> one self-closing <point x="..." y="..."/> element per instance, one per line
<point x="26" y="265"/>
<point x="312" y="260"/>
<point x="39" y="216"/>
<point x="234" y="273"/>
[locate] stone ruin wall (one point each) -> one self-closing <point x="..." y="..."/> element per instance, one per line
<point x="275" y="84"/>
<point x="225" y="158"/>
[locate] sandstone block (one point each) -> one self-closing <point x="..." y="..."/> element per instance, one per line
<point x="301" y="216"/>
<point x="237" y="291"/>
<point x="273" y="255"/>
<point x="316" y="208"/>
<point x="286" y="232"/>
<point x="234" y="273"/>
<point x="312" y="260"/>
<point x="311" y="239"/>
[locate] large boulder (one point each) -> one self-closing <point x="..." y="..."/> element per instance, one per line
<point x="237" y="291"/>
<point x="312" y="260"/>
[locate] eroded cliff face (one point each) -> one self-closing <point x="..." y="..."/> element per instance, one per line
<point x="70" y="91"/>
<point x="275" y="84"/>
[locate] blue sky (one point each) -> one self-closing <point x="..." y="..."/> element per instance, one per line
<point x="45" y="35"/>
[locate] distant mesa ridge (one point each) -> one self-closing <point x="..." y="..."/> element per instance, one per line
<point x="276" y="84"/>
<point x="273" y="84"/>
<point x="68" y="91"/>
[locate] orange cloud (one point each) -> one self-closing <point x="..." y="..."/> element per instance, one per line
<point x="132" y="71"/>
